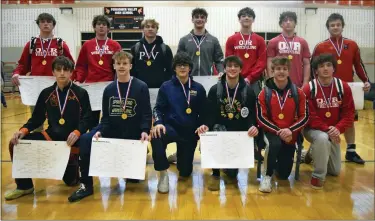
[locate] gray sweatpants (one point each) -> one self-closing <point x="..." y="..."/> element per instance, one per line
<point x="325" y="154"/>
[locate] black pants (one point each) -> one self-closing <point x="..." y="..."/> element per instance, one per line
<point x="280" y="156"/>
<point x="186" y="144"/>
<point x="95" y="119"/>
<point x="71" y="175"/>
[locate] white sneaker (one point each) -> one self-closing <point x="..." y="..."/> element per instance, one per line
<point x="172" y="158"/>
<point x="163" y="184"/>
<point x="265" y="184"/>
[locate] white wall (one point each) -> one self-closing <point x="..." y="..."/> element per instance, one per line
<point x="18" y="25"/>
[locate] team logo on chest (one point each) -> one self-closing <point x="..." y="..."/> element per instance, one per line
<point x="116" y="107"/>
<point x="294" y="47"/>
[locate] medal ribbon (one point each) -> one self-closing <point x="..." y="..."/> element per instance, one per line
<point x="248" y="40"/>
<point x="187" y="96"/>
<point x="231" y="102"/>
<point x="101" y="50"/>
<point x="336" y="48"/>
<point x="49" y="45"/>
<point x="127" y="93"/>
<point x="328" y="102"/>
<point x="200" y="42"/>
<point x="287" y="43"/>
<point x="152" y="50"/>
<point x="66" y="99"/>
<point x="278" y="98"/>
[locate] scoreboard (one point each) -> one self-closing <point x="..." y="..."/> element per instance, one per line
<point x="124" y="18"/>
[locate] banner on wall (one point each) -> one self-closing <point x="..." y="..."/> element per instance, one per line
<point x="122" y="18"/>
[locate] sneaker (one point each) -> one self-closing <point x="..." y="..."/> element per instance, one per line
<point x="354" y="157"/>
<point x="18" y="193"/>
<point x="81" y="193"/>
<point x="214" y="183"/>
<point x="163" y="184"/>
<point x="172" y="158"/>
<point x="316" y="183"/>
<point x="265" y="184"/>
<point x="306" y="156"/>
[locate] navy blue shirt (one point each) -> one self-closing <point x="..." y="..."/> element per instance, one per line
<point x="138" y="111"/>
<point x="171" y="105"/>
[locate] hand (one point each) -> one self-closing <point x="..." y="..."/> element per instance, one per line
<point x="367" y="87"/>
<point x="16" y="136"/>
<point x="335" y="139"/>
<point x="288" y="139"/>
<point x="247" y="81"/>
<point x="333" y="131"/>
<point x="253" y="131"/>
<point x="220" y="75"/>
<point x="97" y="135"/>
<point x="15" y="80"/>
<point x="72" y="138"/>
<point x="157" y="131"/>
<point x="284" y="133"/>
<point x="144" y="137"/>
<point x="201" y="130"/>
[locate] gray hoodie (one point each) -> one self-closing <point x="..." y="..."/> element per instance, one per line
<point x="210" y="52"/>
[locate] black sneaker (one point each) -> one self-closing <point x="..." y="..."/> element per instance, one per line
<point x="81" y="193"/>
<point x="354" y="157"/>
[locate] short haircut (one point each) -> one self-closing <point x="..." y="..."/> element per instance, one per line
<point x="47" y="17"/>
<point x="182" y="58"/>
<point x="122" y="55"/>
<point x="287" y="14"/>
<point x="322" y="59"/>
<point x="101" y="19"/>
<point x="280" y="60"/>
<point x="199" y="11"/>
<point x="62" y="63"/>
<point x="333" y="17"/>
<point x="246" y="11"/>
<point x="234" y="59"/>
<point x="150" y="21"/>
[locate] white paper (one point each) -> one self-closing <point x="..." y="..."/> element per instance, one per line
<point x="40" y="159"/>
<point x="31" y="86"/>
<point x="153" y="95"/>
<point x="95" y="91"/>
<point x="206" y="81"/>
<point x="118" y="158"/>
<point x="358" y="94"/>
<point x="227" y="150"/>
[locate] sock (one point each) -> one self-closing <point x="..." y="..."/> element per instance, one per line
<point x="350" y="148"/>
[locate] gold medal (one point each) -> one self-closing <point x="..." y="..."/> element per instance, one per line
<point x="290" y="57"/>
<point x="124" y="116"/>
<point x="339" y="61"/>
<point x="61" y="121"/>
<point x="188" y="110"/>
<point x="198" y="53"/>
<point x="100" y="62"/>
<point x="328" y="114"/>
<point x="149" y="63"/>
<point x="281" y="116"/>
<point x="230" y="115"/>
<point x="44" y="62"/>
<point x="246" y="55"/>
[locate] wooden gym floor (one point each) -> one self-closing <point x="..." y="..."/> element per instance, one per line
<point x="349" y="196"/>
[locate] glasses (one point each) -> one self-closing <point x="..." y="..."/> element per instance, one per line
<point x="182" y="65"/>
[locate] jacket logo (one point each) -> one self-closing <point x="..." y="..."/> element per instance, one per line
<point x="346" y="46"/>
<point x="115" y="106"/>
<point x="193" y="93"/>
<point x="53" y="101"/>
